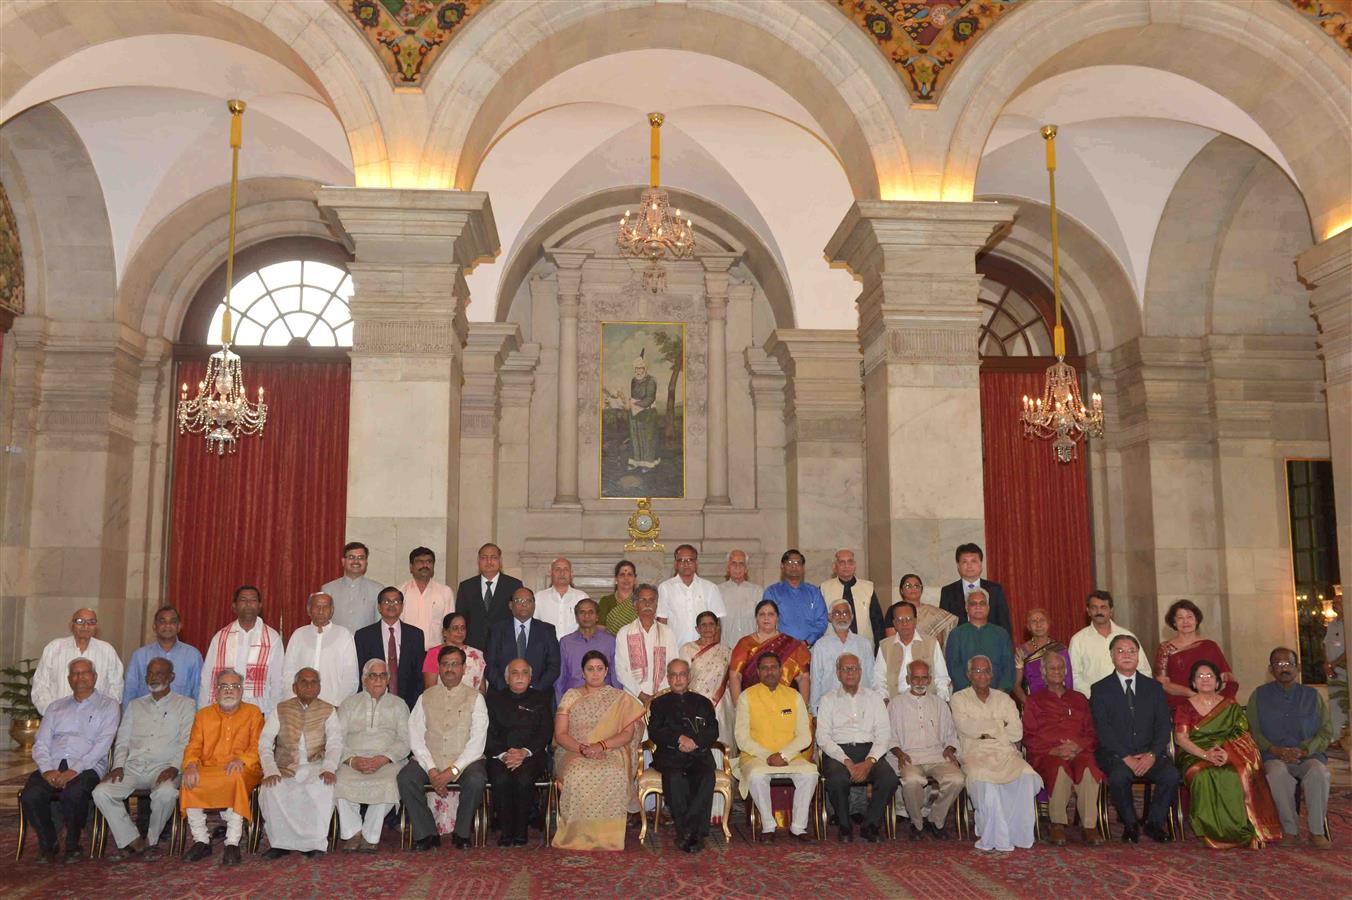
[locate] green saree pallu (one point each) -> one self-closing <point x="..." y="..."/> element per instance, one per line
<point x="1230" y="805"/>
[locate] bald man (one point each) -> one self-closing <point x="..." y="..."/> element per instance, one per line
<point x="49" y="680"/>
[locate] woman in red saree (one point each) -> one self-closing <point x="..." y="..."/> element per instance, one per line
<point x="1222" y="767"/>
<point x="794" y="656"/>
<point x="1176" y="657"/>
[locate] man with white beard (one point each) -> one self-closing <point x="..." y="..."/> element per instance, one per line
<point x="926" y="749"/>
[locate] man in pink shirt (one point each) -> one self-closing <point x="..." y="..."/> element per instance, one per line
<point x="426" y="600"/>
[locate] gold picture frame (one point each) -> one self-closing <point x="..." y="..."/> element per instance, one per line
<point x="641" y="419"/>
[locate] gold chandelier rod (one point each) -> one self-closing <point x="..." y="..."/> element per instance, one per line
<point x="236" y="108"/>
<point x="1059" y="333"/>
<point x="655" y="148"/>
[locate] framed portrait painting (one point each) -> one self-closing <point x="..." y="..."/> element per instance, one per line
<point x="642" y="409"/>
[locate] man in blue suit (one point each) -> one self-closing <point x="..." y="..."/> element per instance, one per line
<point x="1133" y="723"/>
<point x="523" y="637"/>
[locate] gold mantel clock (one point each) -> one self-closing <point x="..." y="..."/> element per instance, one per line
<point x="644" y="527"/>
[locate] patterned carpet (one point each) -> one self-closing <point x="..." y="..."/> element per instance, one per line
<point x="858" y="870"/>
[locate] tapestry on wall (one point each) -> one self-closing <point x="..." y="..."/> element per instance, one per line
<point x="408" y="35"/>
<point x="642" y="409"/>
<point x="925" y="39"/>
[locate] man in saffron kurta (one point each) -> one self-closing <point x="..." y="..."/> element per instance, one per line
<point x="773" y="733"/>
<point x="221" y="768"/>
<point x="1058" y="735"/>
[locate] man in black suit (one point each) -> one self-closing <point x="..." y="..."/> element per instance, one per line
<point x="520" y="725"/>
<point x="486" y="598"/>
<point x="1133" y="723"/>
<point x="953" y="596"/>
<point x="523" y="637"/>
<point x="684" y="726"/>
<point x="399" y="644"/>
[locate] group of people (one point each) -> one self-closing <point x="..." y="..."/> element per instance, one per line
<point x="420" y="699"/>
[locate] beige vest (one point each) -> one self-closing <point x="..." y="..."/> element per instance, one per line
<point x="894" y="653"/>
<point x="862" y="592"/>
<point x="293" y="721"/>
<point x="449" y="714"/>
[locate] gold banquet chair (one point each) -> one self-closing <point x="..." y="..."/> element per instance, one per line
<point x="650" y="785"/>
<point x="249" y="839"/>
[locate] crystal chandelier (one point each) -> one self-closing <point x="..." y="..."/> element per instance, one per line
<point x="656" y="232"/>
<point x="1060" y="414"/>
<point x="221" y="409"/>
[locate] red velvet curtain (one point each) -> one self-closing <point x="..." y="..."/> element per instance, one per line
<point x="271" y="515"/>
<point x="1037" y="512"/>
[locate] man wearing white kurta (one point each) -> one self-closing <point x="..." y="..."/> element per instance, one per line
<point x="325" y="647"/>
<point x="1002" y="786"/>
<point x="740" y="596"/>
<point x="838" y="641"/>
<point x="299" y="749"/>
<point x="896" y="653"/>
<point x="644" y="647"/>
<point x="50" y="678"/>
<point x="375" y="746"/>
<point x="555" y="603"/>
<point x="252" y="649"/>
<point x="682" y="597"/>
<point x="150" y="742"/>
<point x="1090" y="660"/>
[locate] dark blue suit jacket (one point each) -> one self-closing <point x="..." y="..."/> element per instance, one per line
<point x="952" y="600"/>
<point x="542" y="652"/>
<point x="371" y="644"/>
<point x="1122" y="734"/>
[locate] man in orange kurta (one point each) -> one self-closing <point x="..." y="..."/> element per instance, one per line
<point x="221" y="768"/>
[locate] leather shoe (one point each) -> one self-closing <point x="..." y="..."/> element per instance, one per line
<point x="353" y="844"/>
<point x="231" y="855"/>
<point x="1093" y="838"/>
<point x="427" y="843"/>
<point x="312" y="854"/>
<point x="460" y="843"/>
<point x="276" y="853"/>
<point x="937" y="833"/>
<point x="198" y="851"/>
<point x="1131" y="834"/>
<point x="520" y="841"/>
<point x="803" y="838"/>
<point x="1158" y="833"/>
<point x="72" y="855"/>
<point x="506" y="840"/>
<point x="768" y="836"/>
<point x="1058" y="834"/>
<point x="845" y="835"/>
<point x="1321" y="841"/>
<point x="915" y="834"/>
<point x="870" y="833"/>
<point x="367" y="847"/>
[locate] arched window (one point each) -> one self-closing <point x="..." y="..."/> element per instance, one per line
<point x="296" y="303"/>
<point x="1017" y="315"/>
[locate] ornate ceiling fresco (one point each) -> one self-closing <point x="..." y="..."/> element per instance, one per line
<point x="408" y="35"/>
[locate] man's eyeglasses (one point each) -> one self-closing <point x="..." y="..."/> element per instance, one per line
<point x="378" y="675"/>
<point x="391" y="601"/>
<point x="89" y="621"/>
<point x="229" y="688"/>
<point x="355" y="557"/>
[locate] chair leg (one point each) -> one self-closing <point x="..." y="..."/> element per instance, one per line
<point x="23" y="833"/>
<point x="643" y="814"/>
<point x="727" y="814"/>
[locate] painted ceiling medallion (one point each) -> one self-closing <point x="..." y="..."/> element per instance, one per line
<point x="1334" y="16"/>
<point x="926" y="39"/>
<point x="408" y="35"/>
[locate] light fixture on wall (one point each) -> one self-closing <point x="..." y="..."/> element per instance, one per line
<point x="656" y="232"/>
<point x="1059" y="414"/>
<point x="221" y="410"/>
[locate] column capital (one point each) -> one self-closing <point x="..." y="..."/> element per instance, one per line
<point x="412" y="226"/>
<point x="487" y="348"/>
<point x="826" y="399"/>
<point x="911" y="237"/>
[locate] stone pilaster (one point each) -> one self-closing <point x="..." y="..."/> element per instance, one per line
<point x="1327" y="268"/>
<point x="489" y="346"/>
<point x="716" y="280"/>
<point x="768" y="397"/>
<point x="918" y="326"/>
<point x="569" y="264"/>
<point x="824" y="442"/>
<point x="411" y="251"/>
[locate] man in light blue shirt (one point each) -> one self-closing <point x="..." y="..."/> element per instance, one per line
<point x="802" y="608"/>
<point x="71" y="754"/>
<point x="185" y="657"/>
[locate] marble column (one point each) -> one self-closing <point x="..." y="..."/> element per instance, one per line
<point x="488" y="347"/>
<point x="716" y="266"/>
<point x="411" y="250"/>
<point x="569" y="264"/>
<point x="918" y="325"/>
<point x="1327" y="268"/>
<point x="825" y="443"/>
<point x="768" y="397"/>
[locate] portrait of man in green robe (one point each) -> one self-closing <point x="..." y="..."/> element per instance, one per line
<point x="642" y="409"/>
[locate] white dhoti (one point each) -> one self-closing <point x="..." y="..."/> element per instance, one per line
<point x="1006" y="814"/>
<point x="297" y="811"/>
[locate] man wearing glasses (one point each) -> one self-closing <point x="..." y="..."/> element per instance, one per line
<point x="854" y="735"/>
<point x="221" y="767"/>
<point x="354" y="595"/>
<point x="49" y="680"/>
<point x="375" y="746"/>
<point x="802" y="608"/>
<point x="397" y="643"/>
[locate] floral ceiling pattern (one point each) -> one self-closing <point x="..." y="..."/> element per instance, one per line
<point x="1334" y="16"/>
<point x="408" y="35"/>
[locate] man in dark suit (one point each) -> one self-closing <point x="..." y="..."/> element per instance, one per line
<point x="684" y="726"/>
<point x="520" y="725"/>
<point x="399" y="644"/>
<point x="953" y="597"/>
<point x="523" y="637"/>
<point x="486" y="598"/>
<point x="1133" y="723"/>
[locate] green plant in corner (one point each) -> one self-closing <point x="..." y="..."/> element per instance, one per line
<point x="16" y="690"/>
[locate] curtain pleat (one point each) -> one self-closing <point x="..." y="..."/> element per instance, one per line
<point x="1037" y="512"/>
<point x="273" y="514"/>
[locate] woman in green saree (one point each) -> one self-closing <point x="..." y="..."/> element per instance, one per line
<point x="1231" y="805"/>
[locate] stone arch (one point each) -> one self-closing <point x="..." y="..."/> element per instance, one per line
<point x="68" y="263"/>
<point x="606" y="206"/>
<point x="1265" y="57"/>
<point x="816" y="55"/>
<point x="311" y="39"/>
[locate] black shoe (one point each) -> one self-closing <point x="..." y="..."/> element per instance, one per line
<point x="72" y="855"/>
<point x="506" y="840"/>
<point x="1158" y="833"/>
<point x="915" y="834"/>
<point x="870" y="833"/>
<point x="520" y="841"/>
<point x="696" y="845"/>
<point x="311" y="854"/>
<point x="937" y="833"/>
<point x="804" y="838"/>
<point x="231" y="855"/>
<point x="427" y="843"/>
<point x="845" y="835"/>
<point x="1131" y="834"/>
<point x="276" y="853"/>
<point x="197" y="852"/>
<point x="460" y="843"/>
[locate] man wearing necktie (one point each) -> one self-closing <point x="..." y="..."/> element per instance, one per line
<point x="486" y="597"/>
<point x="397" y="643"/>
<point x="523" y="637"/>
<point x="953" y="596"/>
<point x="1133" y="723"/>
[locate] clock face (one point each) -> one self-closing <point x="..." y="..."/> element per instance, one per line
<point x="643" y="522"/>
